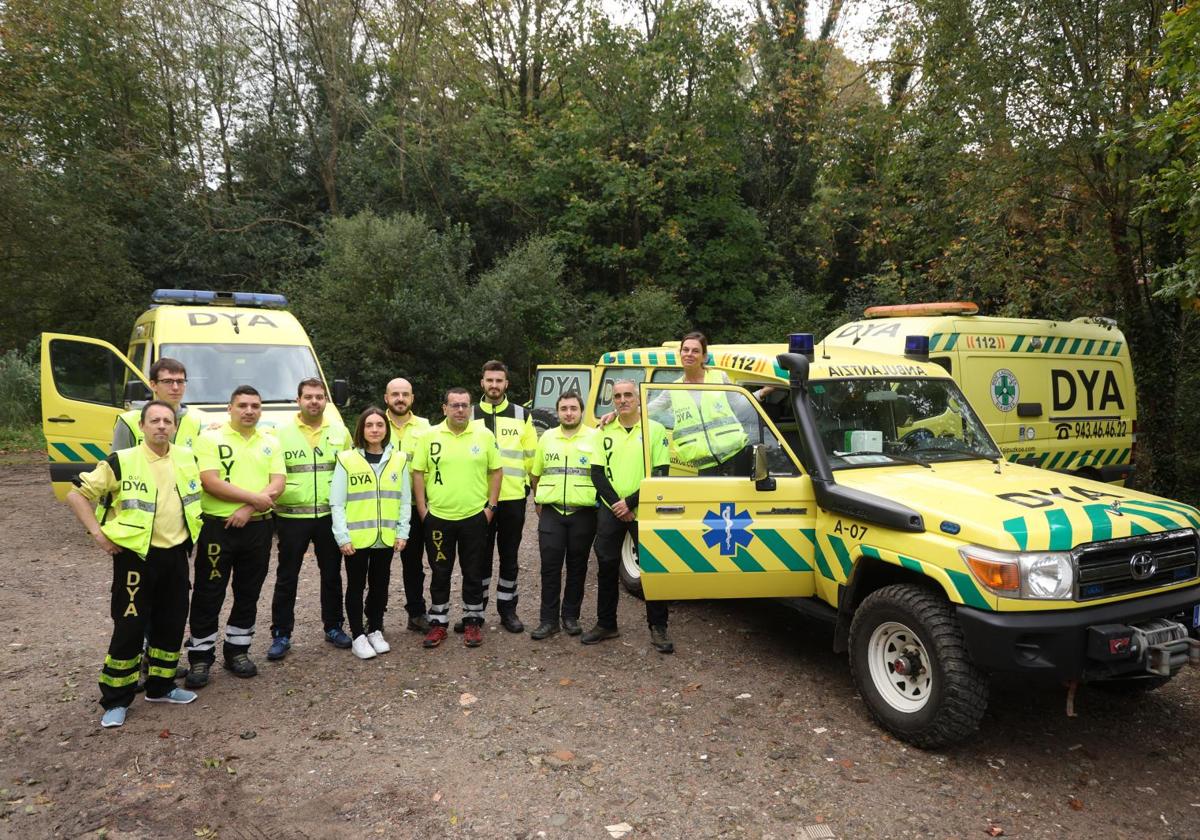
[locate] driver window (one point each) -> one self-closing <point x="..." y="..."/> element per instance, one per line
<point x="712" y="432"/>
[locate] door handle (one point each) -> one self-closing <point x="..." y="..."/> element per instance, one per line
<point x="62" y="418"/>
<point x="782" y="511"/>
<point x="669" y="508"/>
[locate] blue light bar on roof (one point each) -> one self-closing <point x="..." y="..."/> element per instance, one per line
<point x="204" y="297"/>
<point x="916" y="347"/>
<point x="802" y="344"/>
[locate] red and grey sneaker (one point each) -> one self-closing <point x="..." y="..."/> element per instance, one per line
<point x="435" y="636"/>
<point x="473" y="635"/>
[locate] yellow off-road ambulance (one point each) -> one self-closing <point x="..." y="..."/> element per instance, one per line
<point x="869" y="493"/>
<point x="224" y="339"/>
<point x="1054" y="394"/>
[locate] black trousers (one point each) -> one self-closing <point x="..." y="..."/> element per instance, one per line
<point x="504" y="533"/>
<point x="610" y="535"/>
<point x="564" y="538"/>
<point x="446" y="539"/>
<point x="295" y="536"/>
<point x="158" y="585"/>
<point x="412" y="564"/>
<point x="369" y="570"/>
<point x="739" y="463"/>
<point x="224" y="556"/>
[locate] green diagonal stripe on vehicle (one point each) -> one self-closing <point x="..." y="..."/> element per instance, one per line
<point x="1075" y="346"/>
<point x="637" y="358"/>
<point x="1018" y="529"/>
<point x="967" y="590"/>
<point x="1060" y="530"/>
<point x="1133" y="508"/>
<point x="1101" y="522"/>
<point x="95" y="451"/>
<point x="950" y="344"/>
<point x="843" y="556"/>
<point x="745" y="561"/>
<point x="1054" y="461"/>
<point x="911" y="564"/>
<point x="68" y="452"/>
<point x="934" y="340"/>
<point x="653" y="358"/>
<point x="818" y="555"/>
<point x="648" y="563"/>
<point x="782" y="549"/>
<point x="1016" y="348"/>
<point x="678" y="543"/>
<point x="1187" y="511"/>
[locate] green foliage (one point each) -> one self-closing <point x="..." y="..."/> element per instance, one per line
<point x="19" y="387"/>
<point x="392" y="297"/>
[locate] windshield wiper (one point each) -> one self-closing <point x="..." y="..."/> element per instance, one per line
<point x="907" y="459"/>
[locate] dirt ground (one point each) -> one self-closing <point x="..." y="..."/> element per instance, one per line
<point x="752" y="729"/>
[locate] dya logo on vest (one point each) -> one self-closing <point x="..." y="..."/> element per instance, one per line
<point x="128" y="484"/>
<point x="359" y="480"/>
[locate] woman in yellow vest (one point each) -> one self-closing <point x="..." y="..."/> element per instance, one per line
<point x="705" y="432"/>
<point x="371" y="503"/>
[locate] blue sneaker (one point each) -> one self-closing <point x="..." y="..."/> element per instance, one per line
<point x="337" y="637"/>
<point x="280" y="645"/>
<point x="114" y="717"/>
<point x="175" y="695"/>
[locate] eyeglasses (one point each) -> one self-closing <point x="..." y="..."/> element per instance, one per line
<point x="172" y="383"/>
<point x="628" y="396"/>
<point x="458" y="406"/>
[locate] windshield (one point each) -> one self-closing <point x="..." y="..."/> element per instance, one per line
<point x="214" y="370"/>
<point x="868" y="422"/>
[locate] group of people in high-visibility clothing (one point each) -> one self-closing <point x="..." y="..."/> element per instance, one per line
<point x="396" y="484"/>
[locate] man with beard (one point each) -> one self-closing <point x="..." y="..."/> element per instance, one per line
<point x="566" y="506"/>
<point x="407" y="429"/>
<point x="513" y="429"/>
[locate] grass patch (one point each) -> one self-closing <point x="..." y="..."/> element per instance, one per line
<point x="22" y="444"/>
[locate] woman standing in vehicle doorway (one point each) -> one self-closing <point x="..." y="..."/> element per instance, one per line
<point x="705" y="431"/>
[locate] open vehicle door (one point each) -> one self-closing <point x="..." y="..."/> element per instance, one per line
<point x="742" y="524"/>
<point x="84" y="384"/>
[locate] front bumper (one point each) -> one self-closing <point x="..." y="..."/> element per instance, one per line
<point x="1054" y="645"/>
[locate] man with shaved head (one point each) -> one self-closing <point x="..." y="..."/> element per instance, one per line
<point x="407" y="428"/>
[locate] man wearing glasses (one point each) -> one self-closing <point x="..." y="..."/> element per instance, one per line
<point x="456" y="475"/>
<point x="168" y="380"/>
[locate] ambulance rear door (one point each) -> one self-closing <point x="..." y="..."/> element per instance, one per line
<point x="83" y="392"/>
<point x="553" y="381"/>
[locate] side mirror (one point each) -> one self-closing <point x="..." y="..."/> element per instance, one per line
<point x="136" y="391"/>
<point x="761" y="475"/>
<point x="341" y="393"/>
<point x="759" y="453"/>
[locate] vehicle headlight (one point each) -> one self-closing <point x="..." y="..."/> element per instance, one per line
<point x="1041" y="575"/>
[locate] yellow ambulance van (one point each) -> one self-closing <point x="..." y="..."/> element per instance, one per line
<point x="1054" y="394"/>
<point x="869" y="493"/>
<point x="224" y="339"/>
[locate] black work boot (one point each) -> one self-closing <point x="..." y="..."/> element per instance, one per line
<point x="598" y="634"/>
<point x="544" y="630"/>
<point x="661" y="641"/>
<point x="510" y="622"/>
<point x="571" y="626"/>
<point x="198" y="675"/>
<point x="241" y="665"/>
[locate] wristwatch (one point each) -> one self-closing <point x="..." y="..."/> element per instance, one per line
<point x="493" y="508"/>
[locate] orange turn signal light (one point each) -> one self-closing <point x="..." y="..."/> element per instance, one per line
<point x="1000" y="577"/>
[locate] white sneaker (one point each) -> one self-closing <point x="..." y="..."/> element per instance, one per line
<point x="362" y="648"/>
<point x="377" y="641"/>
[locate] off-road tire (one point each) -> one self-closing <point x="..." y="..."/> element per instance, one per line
<point x="628" y="569"/>
<point x="946" y="702"/>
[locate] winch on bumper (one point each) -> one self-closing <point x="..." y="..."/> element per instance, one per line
<point x="1126" y="638"/>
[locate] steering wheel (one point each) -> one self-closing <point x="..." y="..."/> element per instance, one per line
<point x="916" y="439"/>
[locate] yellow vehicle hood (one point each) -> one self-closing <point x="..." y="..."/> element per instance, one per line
<point x="1020" y="508"/>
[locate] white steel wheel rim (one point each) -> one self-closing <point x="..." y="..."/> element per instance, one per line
<point x="629" y="558"/>
<point x="904" y="692"/>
